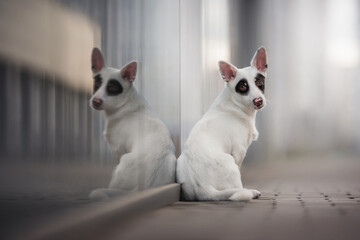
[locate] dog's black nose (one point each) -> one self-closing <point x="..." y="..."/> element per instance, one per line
<point x="258" y="102"/>
<point x="97" y="102"/>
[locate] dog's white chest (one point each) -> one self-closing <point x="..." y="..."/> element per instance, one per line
<point x="118" y="136"/>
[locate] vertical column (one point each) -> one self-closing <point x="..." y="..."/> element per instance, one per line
<point x="190" y="65"/>
<point x="205" y="39"/>
<point x="160" y="61"/>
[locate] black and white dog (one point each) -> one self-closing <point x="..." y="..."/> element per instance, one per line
<point x="209" y="166"/>
<point x="138" y="138"/>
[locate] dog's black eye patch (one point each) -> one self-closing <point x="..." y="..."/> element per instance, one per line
<point x="242" y="87"/>
<point x="260" y="82"/>
<point x="113" y="87"/>
<point x="97" y="82"/>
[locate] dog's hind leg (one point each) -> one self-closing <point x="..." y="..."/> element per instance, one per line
<point x="235" y="194"/>
<point x="256" y="193"/>
<point x="244" y="195"/>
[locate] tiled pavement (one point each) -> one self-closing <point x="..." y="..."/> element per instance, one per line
<point x="304" y="199"/>
<point x="310" y="197"/>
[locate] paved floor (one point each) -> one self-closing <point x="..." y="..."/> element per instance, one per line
<point x="308" y="197"/>
<point x="304" y="199"/>
<point x="34" y="194"/>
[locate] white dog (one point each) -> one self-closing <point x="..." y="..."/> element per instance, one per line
<point x="138" y="138"/>
<point x="209" y="166"/>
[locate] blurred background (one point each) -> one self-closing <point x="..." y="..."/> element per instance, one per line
<point x="48" y="128"/>
<point x="45" y="48"/>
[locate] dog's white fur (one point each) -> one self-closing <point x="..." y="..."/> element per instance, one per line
<point x="209" y="166"/>
<point x="138" y="138"/>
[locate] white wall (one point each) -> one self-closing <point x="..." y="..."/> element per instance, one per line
<point x="313" y="85"/>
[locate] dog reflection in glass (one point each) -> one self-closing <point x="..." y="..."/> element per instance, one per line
<point x="138" y="138"/>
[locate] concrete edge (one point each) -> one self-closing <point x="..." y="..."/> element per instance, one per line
<point x="92" y="220"/>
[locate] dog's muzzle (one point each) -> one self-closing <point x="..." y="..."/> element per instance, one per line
<point x="258" y="102"/>
<point x="97" y="102"/>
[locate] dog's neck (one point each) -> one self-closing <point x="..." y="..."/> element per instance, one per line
<point x="226" y="102"/>
<point x="133" y="102"/>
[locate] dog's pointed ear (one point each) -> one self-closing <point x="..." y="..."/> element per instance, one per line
<point x="259" y="60"/>
<point x="227" y="71"/>
<point x="128" y="72"/>
<point x="97" y="60"/>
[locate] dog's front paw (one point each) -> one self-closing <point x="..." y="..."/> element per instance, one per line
<point x="256" y="193"/>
